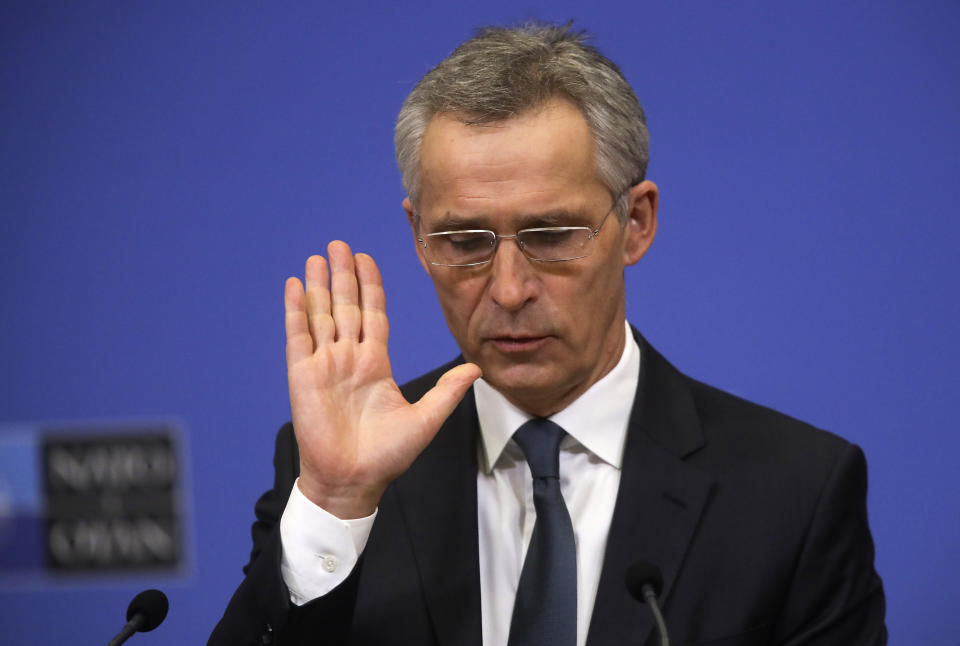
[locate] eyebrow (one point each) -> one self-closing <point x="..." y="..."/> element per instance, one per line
<point x="553" y="218"/>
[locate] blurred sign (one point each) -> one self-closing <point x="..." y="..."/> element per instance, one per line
<point x="90" y="500"/>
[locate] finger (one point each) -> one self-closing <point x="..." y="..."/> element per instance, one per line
<point x="437" y="404"/>
<point x="373" y="312"/>
<point x="321" y="323"/>
<point x="345" y="299"/>
<point x="299" y="341"/>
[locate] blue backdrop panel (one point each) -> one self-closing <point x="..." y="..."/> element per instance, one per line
<point x="166" y="165"/>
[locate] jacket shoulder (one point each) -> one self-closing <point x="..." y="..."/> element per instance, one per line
<point x="748" y="427"/>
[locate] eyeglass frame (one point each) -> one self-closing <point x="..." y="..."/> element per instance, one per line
<point x="497" y="237"/>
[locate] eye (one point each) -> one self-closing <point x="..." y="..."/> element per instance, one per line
<point x="549" y="237"/>
<point x="465" y="242"/>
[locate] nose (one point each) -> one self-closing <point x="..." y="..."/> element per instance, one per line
<point x="512" y="278"/>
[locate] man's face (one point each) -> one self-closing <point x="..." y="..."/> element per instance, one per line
<point x="541" y="332"/>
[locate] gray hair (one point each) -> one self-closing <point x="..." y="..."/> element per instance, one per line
<point x="503" y="72"/>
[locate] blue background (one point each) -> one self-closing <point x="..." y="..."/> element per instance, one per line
<point x="165" y="165"/>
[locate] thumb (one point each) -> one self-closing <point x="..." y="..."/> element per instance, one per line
<point x="438" y="402"/>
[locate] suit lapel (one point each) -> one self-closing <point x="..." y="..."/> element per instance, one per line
<point x="438" y="501"/>
<point x="659" y="502"/>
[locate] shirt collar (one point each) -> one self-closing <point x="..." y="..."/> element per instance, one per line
<point x="597" y="419"/>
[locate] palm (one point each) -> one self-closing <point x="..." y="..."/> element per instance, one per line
<point x="355" y="430"/>
<point x="343" y="400"/>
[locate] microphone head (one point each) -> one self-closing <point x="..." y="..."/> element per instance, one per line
<point x="643" y="573"/>
<point x="153" y="605"/>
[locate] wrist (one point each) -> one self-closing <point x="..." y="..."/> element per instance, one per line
<point x="344" y="502"/>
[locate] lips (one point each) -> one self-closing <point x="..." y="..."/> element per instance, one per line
<point x="517" y="343"/>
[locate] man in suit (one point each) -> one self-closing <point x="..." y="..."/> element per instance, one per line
<point x="504" y="509"/>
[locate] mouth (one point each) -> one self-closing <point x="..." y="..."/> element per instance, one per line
<point x="513" y="344"/>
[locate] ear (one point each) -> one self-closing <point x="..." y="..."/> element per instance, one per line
<point x="641" y="225"/>
<point x="412" y="219"/>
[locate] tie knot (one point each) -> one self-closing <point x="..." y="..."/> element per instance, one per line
<point x="539" y="439"/>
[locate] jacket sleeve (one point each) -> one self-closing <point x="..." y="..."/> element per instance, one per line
<point x="836" y="597"/>
<point x="260" y="611"/>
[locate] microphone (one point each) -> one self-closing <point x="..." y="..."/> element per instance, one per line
<point x="147" y="611"/>
<point x="644" y="583"/>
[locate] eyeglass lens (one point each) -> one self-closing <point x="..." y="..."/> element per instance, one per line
<point x="475" y="247"/>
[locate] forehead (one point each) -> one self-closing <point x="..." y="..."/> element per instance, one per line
<point x="538" y="161"/>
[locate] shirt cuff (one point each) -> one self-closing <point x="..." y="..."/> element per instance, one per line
<point x="319" y="549"/>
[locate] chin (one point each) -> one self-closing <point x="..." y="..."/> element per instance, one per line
<point x="522" y="382"/>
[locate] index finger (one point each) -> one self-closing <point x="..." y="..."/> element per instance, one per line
<point x="373" y="306"/>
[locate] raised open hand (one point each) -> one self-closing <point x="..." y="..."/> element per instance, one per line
<point x="355" y="430"/>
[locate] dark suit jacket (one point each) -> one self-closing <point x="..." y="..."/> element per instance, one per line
<point x="757" y="521"/>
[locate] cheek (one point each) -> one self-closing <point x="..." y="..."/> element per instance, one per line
<point x="596" y="297"/>
<point x="459" y="300"/>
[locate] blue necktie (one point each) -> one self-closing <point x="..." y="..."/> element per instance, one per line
<point x="545" y="611"/>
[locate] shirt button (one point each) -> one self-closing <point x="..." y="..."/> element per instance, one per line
<point x="330" y="563"/>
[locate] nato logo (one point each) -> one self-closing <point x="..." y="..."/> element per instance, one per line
<point x="92" y="499"/>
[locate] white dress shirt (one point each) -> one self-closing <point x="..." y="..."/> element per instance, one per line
<point x="320" y="550"/>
